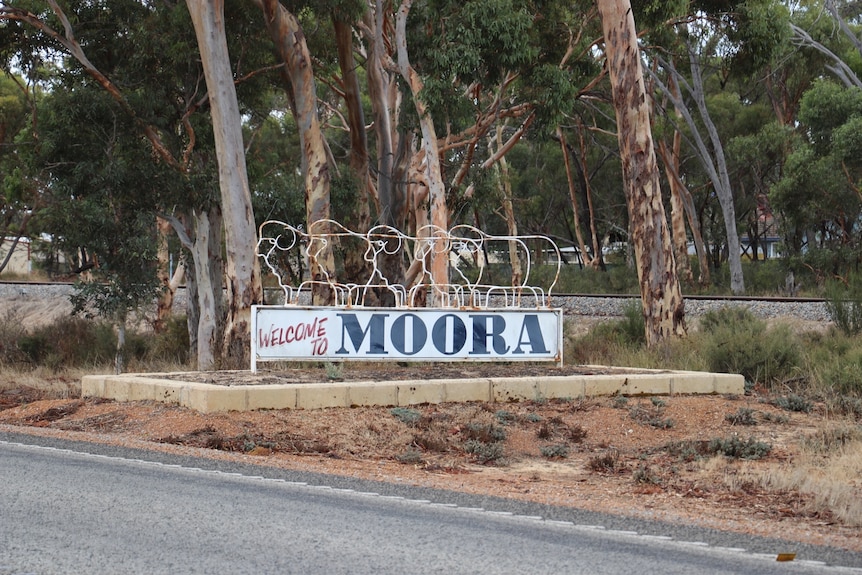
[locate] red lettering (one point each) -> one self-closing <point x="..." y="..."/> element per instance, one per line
<point x="321" y="328"/>
<point x="263" y="338"/>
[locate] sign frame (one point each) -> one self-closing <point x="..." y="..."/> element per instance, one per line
<point x="336" y="334"/>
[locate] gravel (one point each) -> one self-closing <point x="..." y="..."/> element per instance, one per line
<point x="572" y="305"/>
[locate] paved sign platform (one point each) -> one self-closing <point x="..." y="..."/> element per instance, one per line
<point x="209" y="398"/>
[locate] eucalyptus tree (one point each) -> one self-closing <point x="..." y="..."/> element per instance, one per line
<point x="713" y="43"/>
<point x="842" y="51"/>
<point x="101" y="200"/>
<point x="144" y="57"/>
<point x="820" y="194"/>
<point x="662" y="302"/>
<point x="19" y="190"/>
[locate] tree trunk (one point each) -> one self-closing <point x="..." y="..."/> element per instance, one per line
<point x="663" y="306"/>
<point x="567" y="164"/>
<point x="170" y="280"/>
<point x="203" y="281"/>
<point x="120" y="356"/>
<point x="509" y="212"/>
<point x="289" y="39"/>
<point x="720" y="178"/>
<point x="439" y="258"/>
<point x="242" y="269"/>
<point x="677" y="209"/>
<point x="356" y="269"/>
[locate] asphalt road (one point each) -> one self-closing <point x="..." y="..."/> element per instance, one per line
<point x="69" y="507"/>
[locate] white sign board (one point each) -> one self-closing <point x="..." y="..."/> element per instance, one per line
<point x="421" y="334"/>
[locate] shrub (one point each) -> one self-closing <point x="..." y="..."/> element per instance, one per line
<point x="409" y="416"/>
<point x="484" y="432"/>
<point x="556" y="451"/>
<point x="505" y="417"/>
<point x="11" y="333"/>
<point x="737" y="342"/>
<point x="843" y="375"/>
<point x="606" y="339"/>
<point x="793" y="402"/>
<point x="743" y="416"/>
<point x="844" y="304"/>
<point x="70" y="342"/>
<point x="605" y="463"/>
<point x="484" y="452"/>
<point x="645" y="475"/>
<point x="172" y="344"/>
<point x="736" y="448"/>
<point x="651" y="416"/>
<point x="831" y="439"/>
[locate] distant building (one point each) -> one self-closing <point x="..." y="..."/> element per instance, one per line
<point x="21" y="262"/>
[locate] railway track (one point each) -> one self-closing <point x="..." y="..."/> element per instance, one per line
<point x="593" y="305"/>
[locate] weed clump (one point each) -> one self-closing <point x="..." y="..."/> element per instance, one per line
<point x="737" y="448"/>
<point x="555" y="451"/>
<point x="405" y="415"/>
<point x="484" y="452"/>
<point x="652" y="415"/>
<point x="844" y="304"/>
<point x="794" y="402"/>
<point x="743" y="416"/>
<point x="735" y="341"/>
<point x="607" y="462"/>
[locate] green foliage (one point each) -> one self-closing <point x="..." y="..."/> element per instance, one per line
<point x="70" y="342"/>
<point x="743" y="416"/>
<point x="843" y="376"/>
<point x="555" y="451"/>
<point x="484" y="452"/>
<point x="484" y="441"/>
<point x="737" y="448"/>
<point x="737" y="342"/>
<point x="844" y="304"/>
<point x="793" y="402"/>
<point x="405" y="415"/>
<point x="172" y="344"/>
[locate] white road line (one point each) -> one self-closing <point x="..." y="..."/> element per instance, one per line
<point x="656" y="539"/>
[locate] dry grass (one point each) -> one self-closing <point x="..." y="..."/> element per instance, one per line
<point x="538" y="449"/>
<point x="42" y="381"/>
<point x="830" y="472"/>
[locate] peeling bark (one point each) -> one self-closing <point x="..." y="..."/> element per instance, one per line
<point x="663" y="306"/>
<point x="170" y="282"/>
<point x="289" y="39"/>
<point x="242" y="269"/>
<point x="439" y="261"/>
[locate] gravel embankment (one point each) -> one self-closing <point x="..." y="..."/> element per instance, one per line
<point x="814" y="311"/>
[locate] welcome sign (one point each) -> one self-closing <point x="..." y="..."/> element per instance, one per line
<point x="421" y="334"/>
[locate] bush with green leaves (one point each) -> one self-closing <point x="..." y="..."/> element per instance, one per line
<point x="70" y="342"/>
<point x="742" y="416"/>
<point x="484" y="452"/>
<point x="843" y="377"/>
<point x="555" y="451"/>
<point x="735" y="341"/>
<point x="794" y="402"/>
<point x="737" y="448"/>
<point x="844" y="304"/>
<point x="406" y="415"/>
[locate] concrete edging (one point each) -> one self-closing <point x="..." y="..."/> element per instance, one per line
<point x="210" y="398"/>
